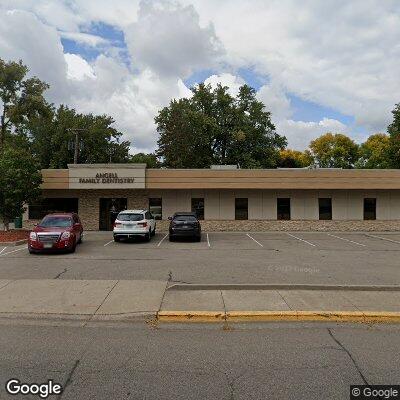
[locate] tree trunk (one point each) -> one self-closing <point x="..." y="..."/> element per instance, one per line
<point x="6" y="224"/>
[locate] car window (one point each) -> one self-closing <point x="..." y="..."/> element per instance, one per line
<point x="62" y="222"/>
<point x="189" y="218"/>
<point x="129" y="217"/>
<point x="148" y="215"/>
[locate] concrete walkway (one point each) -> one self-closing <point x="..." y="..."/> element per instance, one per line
<point x="124" y="300"/>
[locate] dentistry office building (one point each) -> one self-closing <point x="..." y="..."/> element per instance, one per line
<point x="223" y="196"/>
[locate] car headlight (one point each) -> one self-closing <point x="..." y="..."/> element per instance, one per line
<point x="33" y="236"/>
<point x="65" y="235"/>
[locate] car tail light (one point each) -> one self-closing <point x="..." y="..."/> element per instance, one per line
<point x="33" y="236"/>
<point x="144" y="224"/>
<point x="117" y="224"/>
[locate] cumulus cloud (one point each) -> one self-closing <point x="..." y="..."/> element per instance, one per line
<point x="275" y="101"/>
<point x="77" y="67"/>
<point x="300" y="133"/>
<point x="231" y="81"/>
<point x="168" y="39"/>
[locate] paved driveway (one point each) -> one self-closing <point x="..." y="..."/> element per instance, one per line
<point x="265" y="257"/>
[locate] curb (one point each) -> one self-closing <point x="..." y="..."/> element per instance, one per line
<point x="16" y="243"/>
<point x="282" y="316"/>
<point x="251" y="286"/>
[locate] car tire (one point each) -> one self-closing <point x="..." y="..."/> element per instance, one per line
<point x="73" y="248"/>
<point x="147" y="236"/>
<point x="198" y="239"/>
<point x="153" y="232"/>
<point x="116" y="239"/>
<point x="80" y="238"/>
<point x="31" y="251"/>
<point x="171" y="238"/>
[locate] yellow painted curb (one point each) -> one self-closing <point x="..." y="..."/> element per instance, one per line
<point x="289" y="316"/>
<point x="191" y="316"/>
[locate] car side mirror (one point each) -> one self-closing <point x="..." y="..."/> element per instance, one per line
<point x="170" y="218"/>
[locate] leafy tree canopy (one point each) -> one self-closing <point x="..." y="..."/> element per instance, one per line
<point x="213" y="127"/>
<point x="334" y="151"/>
<point x="19" y="182"/>
<point x="21" y="99"/>
<point x="394" y="133"/>
<point x="294" y="159"/>
<point x="149" y="159"/>
<point x="374" y="152"/>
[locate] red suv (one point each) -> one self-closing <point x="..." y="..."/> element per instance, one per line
<point x="56" y="232"/>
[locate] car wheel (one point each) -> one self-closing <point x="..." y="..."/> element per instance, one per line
<point x="171" y="238"/>
<point x="80" y="238"/>
<point x="147" y="236"/>
<point x="198" y="238"/>
<point x="30" y="251"/>
<point x="73" y="248"/>
<point x="153" y="232"/>
<point x="117" y="239"/>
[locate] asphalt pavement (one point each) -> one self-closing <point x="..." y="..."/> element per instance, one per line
<point x="251" y="361"/>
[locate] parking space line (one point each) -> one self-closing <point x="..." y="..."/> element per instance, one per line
<point x="254" y="240"/>
<point x="108" y="243"/>
<point x="3" y="250"/>
<point x="346" y="240"/>
<point x="379" y="237"/>
<point x="302" y="240"/>
<point x="208" y="241"/>
<point x="13" y="251"/>
<point x="159" y="243"/>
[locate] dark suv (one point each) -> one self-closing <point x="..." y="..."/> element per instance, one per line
<point x="184" y="224"/>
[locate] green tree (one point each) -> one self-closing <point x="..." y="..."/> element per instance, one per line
<point x="334" y="151"/>
<point x="394" y="133"/>
<point x="53" y="139"/>
<point x="19" y="182"/>
<point x="289" y="158"/>
<point x="149" y="159"/>
<point x="21" y="99"/>
<point x="374" y="152"/>
<point x="213" y="127"/>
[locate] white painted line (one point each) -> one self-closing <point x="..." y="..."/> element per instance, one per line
<point x="302" y="240"/>
<point x="346" y="240"/>
<point x="13" y="251"/>
<point x="108" y="243"/>
<point x="254" y="240"/>
<point x="379" y="237"/>
<point x="3" y="250"/>
<point x="159" y="243"/>
<point x="208" y="241"/>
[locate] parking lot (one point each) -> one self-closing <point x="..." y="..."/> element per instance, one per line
<point x="226" y="257"/>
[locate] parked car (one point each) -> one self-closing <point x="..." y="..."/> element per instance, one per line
<point x="184" y="224"/>
<point x="61" y="231"/>
<point x="132" y="223"/>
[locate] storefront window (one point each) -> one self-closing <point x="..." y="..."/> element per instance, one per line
<point x="370" y="208"/>
<point x="198" y="207"/>
<point x="283" y="208"/>
<point x="155" y="207"/>
<point x="46" y="206"/>
<point x="325" y="208"/>
<point x="241" y="208"/>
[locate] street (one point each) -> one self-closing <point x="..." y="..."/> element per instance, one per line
<point x="199" y="361"/>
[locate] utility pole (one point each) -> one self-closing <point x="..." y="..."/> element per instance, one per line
<point x="76" y="146"/>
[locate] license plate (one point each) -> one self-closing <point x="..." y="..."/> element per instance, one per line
<point x="129" y="225"/>
<point x="47" y="245"/>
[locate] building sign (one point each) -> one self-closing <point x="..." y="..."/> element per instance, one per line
<point x="106" y="177"/>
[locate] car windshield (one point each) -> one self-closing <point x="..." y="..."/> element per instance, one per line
<point x="49" y="222"/>
<point x="130" y="217"/>
<point x="188" y="218"/>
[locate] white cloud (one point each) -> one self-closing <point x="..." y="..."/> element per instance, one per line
<point x="77" y="67"/>
<point x="168" y="39"/>
<point x="84" y="38"/>
<point x="275" y="101"/>
<point x="300" y="133"/>
<point x="231" y="81"/>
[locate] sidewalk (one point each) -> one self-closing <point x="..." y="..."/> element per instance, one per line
<point x="112" y="300"/>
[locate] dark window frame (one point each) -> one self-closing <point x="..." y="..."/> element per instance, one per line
<point x="156" y="215"/>
<point x="283" y="211"/>
<point x="199" y="215"/>
<point x="369" y="214"/>
<point x="241" y="210"/>
<point x="49" y="205"/>
<point x="325" y="210"/>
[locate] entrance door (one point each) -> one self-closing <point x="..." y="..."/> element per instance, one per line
<point x="109" y="209"/>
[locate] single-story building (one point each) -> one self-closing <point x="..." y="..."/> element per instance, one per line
<point x="221" y="194"/>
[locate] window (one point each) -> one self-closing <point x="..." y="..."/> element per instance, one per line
<point x="198" y="207"/>
<point x="241" y="208"/>
<point x="46" y="206"/>
<point x="56" y="222"/>
<point x="283" y="208"/>
<point x="187" y="218"/>
<point x="129" y="217"/>
<point x="155" y="207"/>
<point x="370" y="208"/>
<point x="325" y="208"/>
